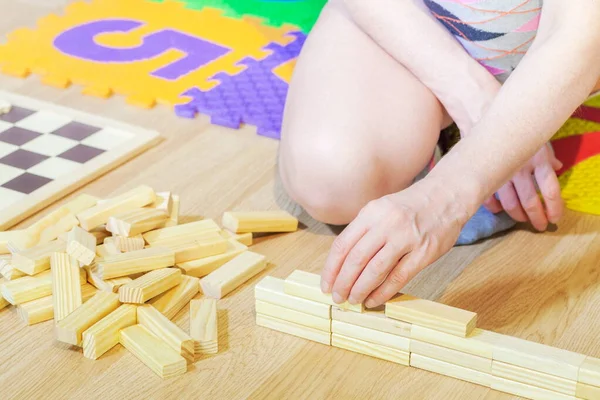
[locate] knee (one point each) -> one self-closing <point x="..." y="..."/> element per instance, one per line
<point x="331" y="183"/>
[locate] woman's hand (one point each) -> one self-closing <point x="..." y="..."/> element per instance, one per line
<point x="519" y="197"/>
<point x="390" y="241"/>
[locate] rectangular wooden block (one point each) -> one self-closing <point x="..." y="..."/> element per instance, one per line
<point x="589" y="371"/>
<point x="100" y="213"/>
<point x="174" y="300"/>
<point x="3" y="302"/>
<point x="41" y="310"/>
<point x="372" y="319"/>
<point x="370" y="349"/>
<point x="289" y="315"/>
<point x="66" y="285"/>
<point x="127" y="244"/>
<point x="37" y="259"/>
<point x="204" y="326"/>
<point x="204" y="266"/>
<point x="308" y="286"/>
<point x="198" y="248"/>
<point x="182" y="233"/>
<point x="104" y="334"/>
<point x="7" y="271"/>
<point x="527" y="391"/>
<point x="270" y="290"/>
<point x="109" y="285"/>
<point x="28" y="288"/>
<point x="174" y="213"/>
<point x="244" y="238"/>
<point x="134" y="262"/>
<point x="451" y="356"/>
<point x="137" y="221"/>
<point x="451" y="370"/>
<point x="232" y="274"/>
<point x="70" y="329"/>
<point x="538" y="357"/>
<point x="260" y="221"/>
<point x="81" y="245"/>
<point x="290" y="328"/>
<point x="432" y="315"/>
<point x="150" y="285"/>
<point x="17" y="236"/>
<point x="164" y="202"/>
<point x="530" y="377"/>
<point x="156" y="354"/>
<point x="479" y="343"/>
<point x="166" y="331"/>
<point x="587" y="392"/>
<point x="100" y="234"/>
<point x="371" y="335"/>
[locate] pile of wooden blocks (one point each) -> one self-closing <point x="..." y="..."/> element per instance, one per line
<point x="426" y="335"/>
<point x="119" y="270"/>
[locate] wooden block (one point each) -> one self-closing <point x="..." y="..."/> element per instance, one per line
<point x="70" y="329"/>
<point x="104" y="334"/>
<point x="174" y="300"/>
<point x="181" y="233"/>
<point x="470" y="361"/>
<point x="166" y="331"/>
<point x="370" y="349"/>
<point x="37" y="259"/>
<point x="203" y="326"/>
<point x="66" y="285"/>
<point x="3" y="302"/>
<point x="371" y="335"/>
<point x="60" y="220"/>
<point x="41" y="310"/>
<point x="198" y="249"/>
<point x="127" y="244"/>
<point x="451" y="370"/>
<point x="134" y="262"/>
<point x="270" y="290"/>
<point x="479" y="343"/>
<point x="232" y="274"/>
<point x="81" y="245"/>
<point x="156" y="354"/>
<point x="19" y="237"/>
<point x="530" y="377"/>
<point x="373" y="319"/>
<point x="109" y="285"/>
<point x="204" y="266"/>
<point x="8" y="272"/>
<point x="107" y="249"/>
<point x="100" y="234"/>
<point x="150" y="285"/>
<point x="308" y="286"/>
<point x="290" y="328"/>
<point x="289" y="315"/>
<point x="538" y="357"/>
<point x="28" y="288"/>
<point x="136" y="222"/>
<point x="243" y="238"/>
<point x="432" y="315"/>
<point x="164" y="202"/>
<point x="589" y="371"/>
<point x="527" y="391"/>
<point x="174" y="214"/>
<point x="587" y="392"/>
<point x="259" y="221"/>
<point x="100" y="213"/>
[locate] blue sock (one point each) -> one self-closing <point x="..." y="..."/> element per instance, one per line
<point x="483" y="225"/>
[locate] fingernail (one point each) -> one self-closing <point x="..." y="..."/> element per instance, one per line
<point x="370" y="303"/>
<point x="352" y="300"/>
<point x="325" y="287"/>
<point x="337" y="298"/>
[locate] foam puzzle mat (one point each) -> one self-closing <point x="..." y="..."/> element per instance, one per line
<point x="47" y="151"/>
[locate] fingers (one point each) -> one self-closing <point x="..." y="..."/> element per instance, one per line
<point x="510" y="202"/>
<point x="550" y="188"/>
<point x="375" y="272"/>
<point x="339" y="251"/>
<point x="402" y="273"/>
<point x="493" y="205"/>
<point x="530" y="201"/>
<point x="354" y="264"/>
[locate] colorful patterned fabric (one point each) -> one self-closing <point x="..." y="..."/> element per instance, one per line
<point x="497" y="33"/>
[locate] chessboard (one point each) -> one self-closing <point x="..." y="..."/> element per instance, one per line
<point x="48" y="151"/>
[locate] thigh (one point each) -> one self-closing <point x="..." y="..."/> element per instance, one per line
<point x="350" y="100"/>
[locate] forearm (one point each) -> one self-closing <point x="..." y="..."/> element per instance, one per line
<point x="410" y="34"/>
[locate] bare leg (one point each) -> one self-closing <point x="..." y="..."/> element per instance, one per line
<point x="357" y="124"/>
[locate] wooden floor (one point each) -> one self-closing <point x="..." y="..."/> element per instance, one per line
<point x="542" y="287"/>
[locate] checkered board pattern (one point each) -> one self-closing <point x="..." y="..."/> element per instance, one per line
<point x="47" y="151"/>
